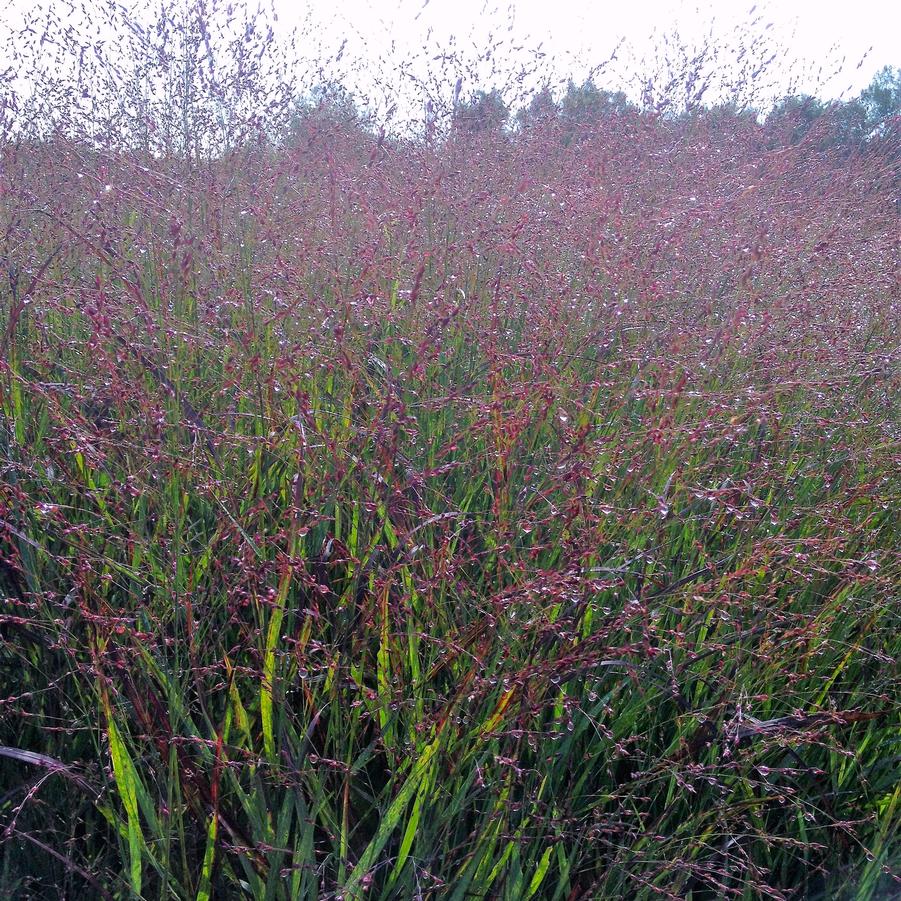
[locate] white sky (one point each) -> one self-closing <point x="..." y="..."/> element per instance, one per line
<point x="828" y="36"/>
<point x="822" y="33"/>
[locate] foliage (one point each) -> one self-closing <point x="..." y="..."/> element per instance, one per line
<point x="848" y="125"/>
<point x="580" y="112"/>
<point x="882" y="98"/>
<point x="585" y="106"/>
<point x="485" y="111"/>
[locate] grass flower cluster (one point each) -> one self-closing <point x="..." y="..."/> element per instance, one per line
<point x="491" y="514"/>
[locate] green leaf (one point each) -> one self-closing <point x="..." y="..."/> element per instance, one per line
<point x="353" y="888"/>
<point x="126" y="782"/>
<point x="206" y="873"/>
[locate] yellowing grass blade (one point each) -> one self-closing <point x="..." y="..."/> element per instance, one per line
<point x="495" y="719"/>
<point x="267" y="688"/>
<point x="126" y="782"/>
<point x="206" y="873"/>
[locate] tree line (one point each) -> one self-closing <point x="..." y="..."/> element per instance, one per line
<point x="848" y="125"/>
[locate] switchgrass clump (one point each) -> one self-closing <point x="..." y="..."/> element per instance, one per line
<point x="459" y="513"/>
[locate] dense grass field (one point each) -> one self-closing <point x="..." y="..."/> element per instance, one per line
<point x="500" y="515"/>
